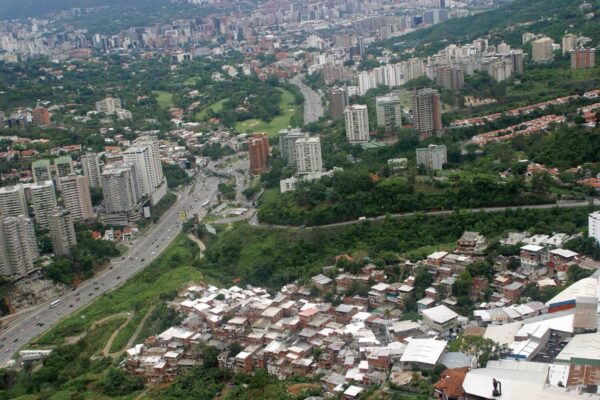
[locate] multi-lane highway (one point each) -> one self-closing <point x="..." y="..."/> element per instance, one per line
<point x="313" y="106"/>
<point x="142" y="252"/>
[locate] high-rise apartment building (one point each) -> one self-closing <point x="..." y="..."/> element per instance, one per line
<point x="62" y="231"/>
<point x="108" y="105"/>
<point x="583" y="58"/>
<point x="76" y="197"/>
<point x="433" y="157"/>
<point x="40" y="116"/>
<point x="542" y="49"/>
<point x="357" y="123"/>
<point x="389" y="112"/>
<point x="63" y="167"/>
<point x="594" y="226"/>
<point x="287" y="140"/>
<point x="18" y="246"/>
<point x="338" y="101"/>
<point x="43" y="200"/>
<point x="144" y="156"/>
<point x="503" y="48"/>
<point x="308" y="155"/>
<point x="498" y="69"/>
<point x="91" y="169"/>
<point x="258" y="150"/>
<point x="156" y="175"/>
<point x="337" y="73"/>
<point x="139" y="159"/>
<point x="427" y="112"/>
<point x="121" y="200"/>
<point x="569" y="41"/>
<point x="450" y="77"/>
<point x="517" y="56"/>
<point x="12" y="201"/>
<point x="40" y="169"/>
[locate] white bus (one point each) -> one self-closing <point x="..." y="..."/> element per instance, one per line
<point x="55" y="303"/>
<point x="205" y="203"/>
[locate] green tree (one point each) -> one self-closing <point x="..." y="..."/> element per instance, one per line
<point x="117" y="382"/>
<point x="541" y="181"/>
<point x="234" y="349"/>
<point x="423" y="279"/>
<point x="479" y="347"/>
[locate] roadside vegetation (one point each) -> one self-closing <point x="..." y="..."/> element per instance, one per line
<point x="495" y="175"/>
<point x="157" y="282"/>
<point x="76" y="368"/>
<point x="274" y="257"/>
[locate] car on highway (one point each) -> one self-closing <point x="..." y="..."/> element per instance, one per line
<point x="119" y="277"/>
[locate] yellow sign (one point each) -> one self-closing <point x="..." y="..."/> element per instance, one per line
<point x="182" y="216"/>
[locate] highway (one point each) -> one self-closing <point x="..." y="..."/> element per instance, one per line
<point x="141" y="253"/>
<point x="313" y="106"/>
<point x="146" y="248"/>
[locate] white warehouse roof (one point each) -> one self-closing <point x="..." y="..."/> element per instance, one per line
<point x="424" y="351"/>
<point x="439" y="314"/>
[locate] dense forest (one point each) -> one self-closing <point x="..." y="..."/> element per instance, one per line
<point x="349" y="195"/>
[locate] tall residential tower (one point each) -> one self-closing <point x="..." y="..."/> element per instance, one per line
<point x="427" y="112"/>
<point x="357" y="123"/>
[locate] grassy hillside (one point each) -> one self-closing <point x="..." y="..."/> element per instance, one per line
<point x="551" y="17"/>
<point x="273" y="257"/>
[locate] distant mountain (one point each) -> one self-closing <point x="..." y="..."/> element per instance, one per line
<point x="508" y="22"/>
<point x="11" y="9"/>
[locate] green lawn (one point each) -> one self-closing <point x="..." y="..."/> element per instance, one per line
<point x="168" y="273"/>
<point x="544" y="86"/>
<point x="405" y="99"/>
<point x="165" y="99"/>
<point x="278" y="123"/>
<point x="192" y="80"/>
<point x="216" y="107"/>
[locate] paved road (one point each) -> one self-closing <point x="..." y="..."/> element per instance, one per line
<point x="254" y="220"/>
<point x="242" y="179"/>
<point x="142" y="252"/>
<point x="313" y="106"/>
